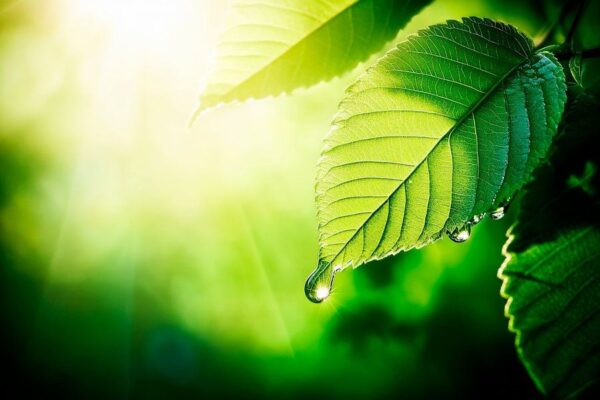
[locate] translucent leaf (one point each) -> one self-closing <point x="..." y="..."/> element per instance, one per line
<point x="274" y="46"/>
<point x="552" y="269"/>
<point x="445" y="127"/>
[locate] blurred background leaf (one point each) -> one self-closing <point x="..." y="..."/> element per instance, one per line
<point x="275" y="46"/>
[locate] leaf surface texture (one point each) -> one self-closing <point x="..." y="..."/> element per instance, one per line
<point x="445" y="127"/>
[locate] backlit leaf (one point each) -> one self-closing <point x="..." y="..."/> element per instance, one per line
<point x="274" y="46"/>
<point x="445" y="127"/>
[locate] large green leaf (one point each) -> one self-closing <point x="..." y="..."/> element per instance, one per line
<point x="445" y="127"/>
<point x="274" y="46"/>
<point x="552" y="268"/>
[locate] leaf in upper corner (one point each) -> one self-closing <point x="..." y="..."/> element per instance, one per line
<point x="274" y="46"/>
<point x="552" y="269"/>
<point x="445" y="127"/>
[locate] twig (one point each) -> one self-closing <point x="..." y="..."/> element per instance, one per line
<point x="549" y="31"/>
<point x="590" y="53"/>
<point x="576" y="19"/>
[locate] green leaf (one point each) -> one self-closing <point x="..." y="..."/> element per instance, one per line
<point x="552" y="269"/>
<point x="445" y="127"/>
<point x="586" y="37"/>
<point x="274" y="46"/>
<point x="586" y="73"/>
<point x="575" y="68"/>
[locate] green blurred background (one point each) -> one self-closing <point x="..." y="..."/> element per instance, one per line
<point x="142" y="259"/>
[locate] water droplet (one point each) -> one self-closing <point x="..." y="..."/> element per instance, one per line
<point x="477" y="219"/>
<point x="502" y="209"/>
<point x="460" y="235"/>
<point x="319" y="284"/>
<point x="497" y="214"/>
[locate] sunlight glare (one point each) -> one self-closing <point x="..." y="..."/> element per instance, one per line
<point x="322" y="292"/>
<point x="136" y="24"/>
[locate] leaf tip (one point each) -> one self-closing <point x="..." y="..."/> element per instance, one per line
<point x="198" y="110"/>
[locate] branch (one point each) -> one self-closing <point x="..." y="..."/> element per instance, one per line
<point x="547" y="35"/>
<point x="582" y="6"/>
<point x="590" y="53"/>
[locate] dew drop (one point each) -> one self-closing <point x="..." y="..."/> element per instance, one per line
<point x="319" y="284"/>
<point x="477" y="219"/>
<point x="497" y="214"/>
<point x="460" y="235"/>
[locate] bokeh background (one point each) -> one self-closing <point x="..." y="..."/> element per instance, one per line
<point x="140" y="258"/>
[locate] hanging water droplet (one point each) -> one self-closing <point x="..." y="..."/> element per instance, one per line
<point x="320" y="283"/>
<point x="497" y="214"/>
<point x="477" y="219"/>
<point x="460" y="235"/>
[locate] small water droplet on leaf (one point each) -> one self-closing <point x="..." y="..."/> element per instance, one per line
<point x="460" y="235"/>
<point x="319" y="284"/>
<point x="497" y="214"/>
<point x="501" y="211"/>
<point x="477" y="219"/>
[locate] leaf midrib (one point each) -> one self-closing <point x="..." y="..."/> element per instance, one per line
<point x="468" y="113"/>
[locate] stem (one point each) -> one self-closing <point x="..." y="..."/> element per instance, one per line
<point x="580" y="9"/>
<point x="549" y="30"/>
<point x="590" y="53"/>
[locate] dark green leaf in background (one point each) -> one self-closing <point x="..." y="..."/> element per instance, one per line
<point x="586" y="37"/>
<point x="552" y="270"/>
<point x="575" y="68"/>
